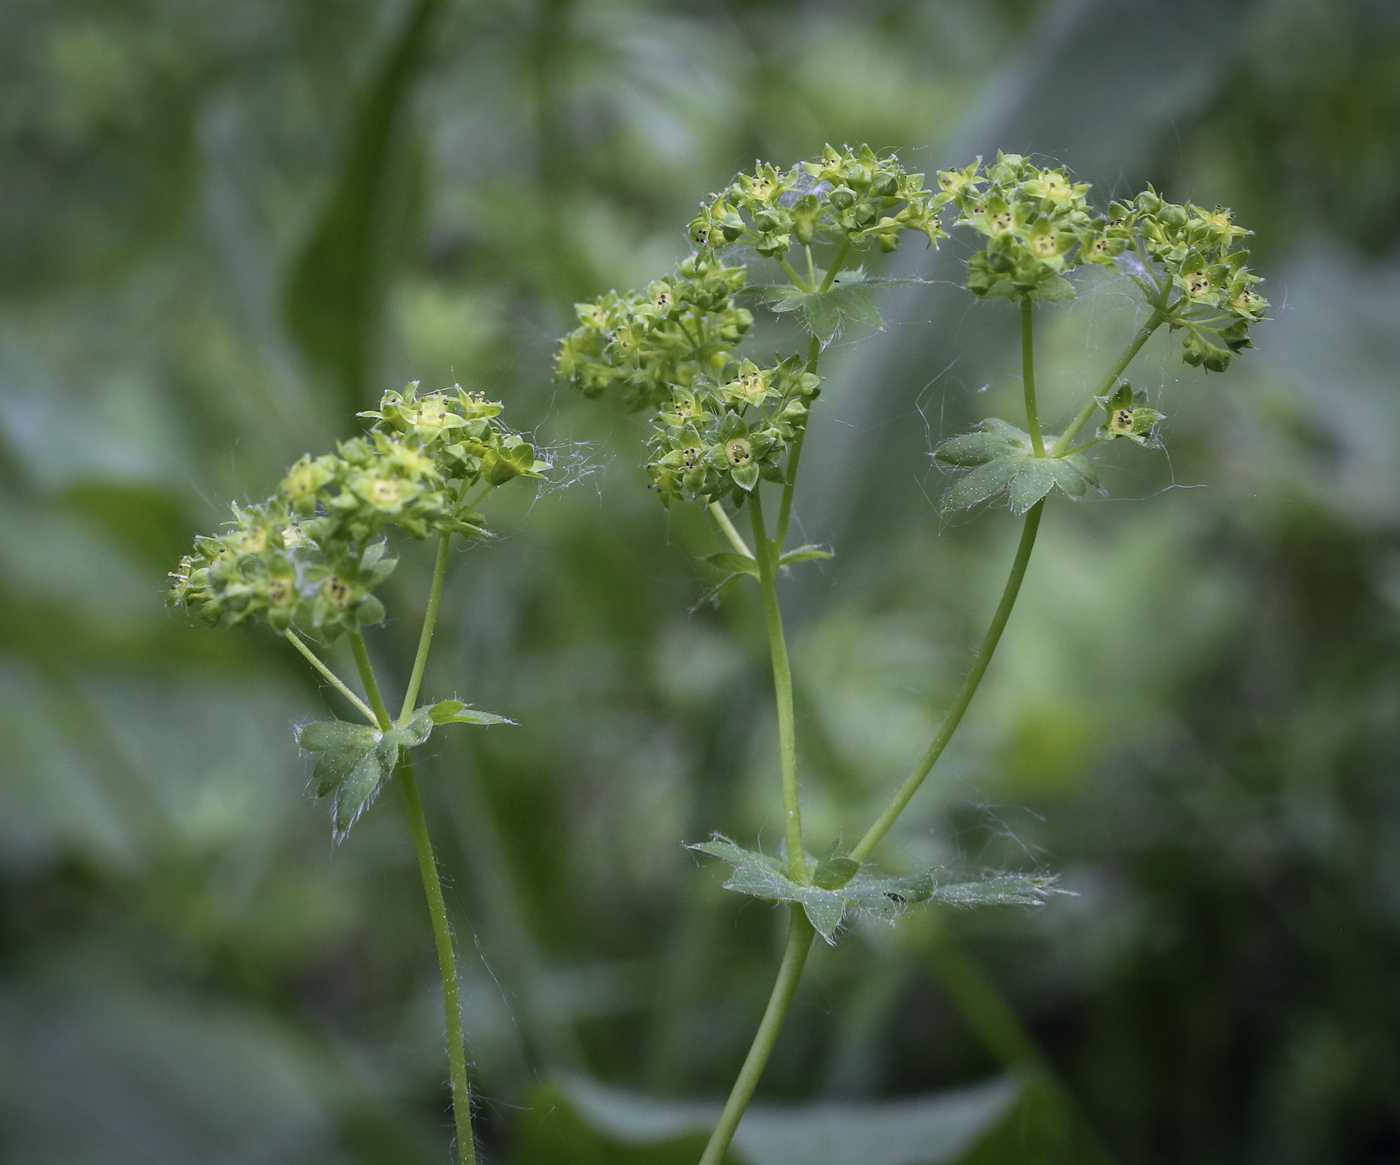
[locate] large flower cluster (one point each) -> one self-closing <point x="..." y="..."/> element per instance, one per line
<point x="1195" y="250"/>
<point x="643" y="344"/>
<point x="312" y="555"/>
<point x="1038" y="224"/>
<point x="848" y="195"/>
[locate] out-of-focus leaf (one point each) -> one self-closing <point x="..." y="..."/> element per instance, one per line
<point x="827" y="314"/>
<point x="804" y="554"/>
<point x="735" y="563"/>
<point x="335" y="295"/>
<point x="580" y="1122"/>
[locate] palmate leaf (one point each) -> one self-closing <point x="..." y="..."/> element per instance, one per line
<point x="1000" y="458"/>
<point x="849" y="301"/>
<point x="742" y="566"/>
<point x="356" y="759"/>
<point x="851" y="893"/>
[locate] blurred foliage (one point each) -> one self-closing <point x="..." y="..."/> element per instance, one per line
<point x="224" y="228"/>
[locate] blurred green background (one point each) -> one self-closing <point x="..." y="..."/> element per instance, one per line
<point x="226" y="227"/>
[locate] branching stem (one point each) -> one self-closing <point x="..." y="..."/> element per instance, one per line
<point x="767" y="555"/>
<point x="425" y="639"/>
<point x="969" y="689"/>
<point x="736" y="539"/>
<point x="799" y="942"/>
<point x="1082" y="418"/>
<point x="330" y="677"/>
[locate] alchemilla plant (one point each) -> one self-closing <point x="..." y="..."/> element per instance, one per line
<point x="726" y="427"/>
<point x="727" y="430"/>
<point x="307" y="562"/>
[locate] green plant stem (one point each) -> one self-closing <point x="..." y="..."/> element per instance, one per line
<point x="376" y="701"/>
<point x="437" y="912"/>
<point x="1090" y="405"/>
<point x="330" y="677"/>
<point x="1028" y="377"/>
<point x="800" y="283"/>
<point x="447" y="963"/>
<point x="799" y="942"/>
<point x="425" y="640"/>
<point x="836" y="264"/>
<point x="814" y="351"/>
<point x="766" y="553"/>
<point x="969" y="689"/>
<point x="735" y="538"/>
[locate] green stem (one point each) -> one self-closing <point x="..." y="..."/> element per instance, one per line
<point x="965" y="693"/>
<point x="447" y="963"/>
<point x="735" y="538"/>
<point x="376" y="701"/>
<point x="835" y="267"/>
<point x="814" y="351"/>
<point x="437" y="912"/>
<point x="331" y="678"/>
<point x="1028" y="377"/>
<point x="801" y="284"/>
<point x="782" y="686"/>
<point x="1090" y="405"/>
<point x="799" y="942"/>
<point x="425" y="640"/>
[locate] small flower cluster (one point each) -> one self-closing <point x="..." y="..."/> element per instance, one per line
<point x="642" y="344"/>
<point x="310" y="556"/>
<point x="1195" y="249"/>
<point x="715" y="439"/>
<point x="1038" y="224"/>
<point x="848" y="195"/>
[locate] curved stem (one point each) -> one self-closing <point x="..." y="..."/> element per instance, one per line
<point x="447" y="963"/>
<point x="782" y="686"/>
<point x="1082" y="418"/>
<point x="331" y="678"/>
<point x="800" y="283"/>
<point x="1028" y="377"/>
<point x="425" y="640"/>
<point x="799" y="942"/>
<point x="969" y="689"/>
<point x="437" y="913"/>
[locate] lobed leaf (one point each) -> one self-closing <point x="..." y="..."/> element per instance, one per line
<point x="456" y="712"/>
<point x="994" y="438"/>
<point x="841" y="888"/>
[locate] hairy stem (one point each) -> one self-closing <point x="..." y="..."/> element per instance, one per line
<point x="447" y="963"/>
<point x="1028" y="377"/>
<point x="425" y="640"/>
<point x="969" y="689"/>
<point x="767" y="556"/>
<point x="437" y="913"/>
<point x="799" y="942"/>
<point x="331" y="678"/>
<point x="1090" y="405"/>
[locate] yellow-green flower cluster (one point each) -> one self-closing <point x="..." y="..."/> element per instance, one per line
<point x="849" y="196"/>
<point x="311" y="556"/>
<point x="643" y="343"/>
<point x="1195" y="250"/>
<point x="1037" y="222"/>
<point x="719" y="438"/>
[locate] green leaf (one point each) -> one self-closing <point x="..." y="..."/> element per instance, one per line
<point x="868" y="893"/>
<point x="358" y="790"/>
<point x="1033" y="481"/>
<point x="994" y="439"/>
<point x="984" y="482"/>
<point x="456" y="712"/>
<point x="1055" y="289"/>
<point x="828" y="313"/>
<point x="343" y="746"/>
<point x="804" y="554"/>
<point x="735" y="563"/>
